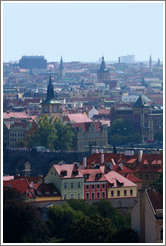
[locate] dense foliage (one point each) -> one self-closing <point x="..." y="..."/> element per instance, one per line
<point x="52" y="134"/>
<point x="121" y="133"/>
<point x="79" y="222"/>
<point x="21" y="223"/>
<point x="157" y="185"/>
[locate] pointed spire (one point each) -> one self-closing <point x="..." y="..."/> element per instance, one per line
<point x="102" y="66"/>
<point x="61" y="64"/>
<point x="50" y="90"/>
<point x="141" y="102"/>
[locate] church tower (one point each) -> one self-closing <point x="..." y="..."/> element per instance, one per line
<point x="61" y="68"/>
<point x="50" y="105"/>
<point x="150" y="64"/>
<point x="103" y="73"/>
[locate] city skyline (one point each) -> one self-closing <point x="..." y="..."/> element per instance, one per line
<point x="80" y="31"/>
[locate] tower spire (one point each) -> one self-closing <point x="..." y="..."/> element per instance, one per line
<point x="50" y="90"/>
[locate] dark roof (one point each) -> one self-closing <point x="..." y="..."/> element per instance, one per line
<point x="141" y="102"/>
<point x="156" y="199"/>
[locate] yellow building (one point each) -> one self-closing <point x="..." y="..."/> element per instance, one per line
<point x="120" y="187"/>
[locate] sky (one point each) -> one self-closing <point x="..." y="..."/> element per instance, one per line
<point x="82" y="31"/>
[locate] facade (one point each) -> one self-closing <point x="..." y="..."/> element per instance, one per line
<point x="30" y="62"/>
<point x="95" y="184"/>
<point x="90" y="135"/>
<point x="50" y="106"/>
<point x="145" y="167"/>
<point x="147" y="217"/>
<point x="68" y="180"/>
<point x="142" y="116"/>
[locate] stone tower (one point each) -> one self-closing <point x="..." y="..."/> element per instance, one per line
<point x="150" y="63"/>
<point x="103" y="73"/>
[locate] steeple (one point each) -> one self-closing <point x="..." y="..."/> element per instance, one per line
<point x="150" y="63"/>
<point x="102" y="66"/>
<point x="61" y="64"/>
<point x="50" y="90"/>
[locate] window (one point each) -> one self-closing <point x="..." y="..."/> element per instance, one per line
<point x="98" y="186"/>
<point x="92" y="187"/>
<point x="103" y="186"/>
<point x="146" y="176"/>
<point x="103" y="194"/>
<point x="87" y="187"/>
<point x="79" y="185"/>
<point x="140" y="176"/>
<point x="87" y="195"/>
<point x="65" y="197"/>
<point x="131" y="192"/>
<point x="92" y="195"/>
<point x="118" y="192"/>
<point x="125" y="192"/>
<point x="78" y="196"/>
<point x="152" y="176"/>
<point x="65" y="185"/>
<point x="72" y="196"/>
<point x="98" y="195"/>
<point x="72" y="185"/>
<point x="112" y="193"/>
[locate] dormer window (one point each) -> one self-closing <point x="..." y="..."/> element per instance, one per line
<point x="75" y="172"/>
<point x="86" y="176"/>
<point x="63" y="173"/>
<point x="47" y="192"/>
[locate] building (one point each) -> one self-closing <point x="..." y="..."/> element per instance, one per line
<point x="90" y="135"/>
<point x="61" y="69"/>
<point x="68" y="180"/>
<point x="103" y="74"/>
<point x="30" y="62"/>
<point x="146" y="167"/>
<point x="147" y="217"/>
<point x="95" y="184"/>
<point x="50" y="106"/>
<point x="127" y="59"/>
<point x="145" y="118"/>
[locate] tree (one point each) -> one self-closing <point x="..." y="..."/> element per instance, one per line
<point x="65" y="136"/>
<point x="121" y="133"/>
<point x="125" y="236"/>
<point x="22" y="223"/>
<point x="45" y="135"/>
<point x="157" y="185"/>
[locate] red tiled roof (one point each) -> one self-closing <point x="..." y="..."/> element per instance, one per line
<point x="21" y="124"/>
<point x="6" y="178"/>
<point x="69" y="168"/>
<point x="139" y="167"/>
<point x="20" y="184"/>
<point x="93" y="175"/>
<point x="16" y="115"/>
<point x="78" y="118"/>
<point x="115" y="178"/>
<point x="104" y="111"/>
<point x="132" y="178"/>
<point x="85" y="126"/>
<point x="46" y="190"/>
<point x="156" y="199"/>
<point x="31" y="178"/>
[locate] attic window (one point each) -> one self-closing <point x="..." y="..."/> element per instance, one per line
<point x="55" y="192"/>
<point x="119" y="184"/>
<point x="99" y="175"/>
<point x="75" y="172"/>
<point x="63" y="173"/>
<point x="47" y="192"/>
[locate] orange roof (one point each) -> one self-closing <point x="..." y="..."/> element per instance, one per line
<point x="20" y="184"/>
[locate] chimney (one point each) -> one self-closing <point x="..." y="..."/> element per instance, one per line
<point x="102" y="158"/>
<point x="140" y="153"/>
<point x="84" y="162"/>
<point x="121" y="166"/>
<point x="31" y="184"/>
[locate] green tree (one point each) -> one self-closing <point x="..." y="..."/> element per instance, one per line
<point x="65" y="136"/>
<point x="125" y="236"/>
<point x="157" y="184"/>
<point x="22" y="223"/>
<point x="45" y="135"/>
<point x="121" y="133"/>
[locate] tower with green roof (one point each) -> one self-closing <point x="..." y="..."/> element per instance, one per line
<point x="51" y="105"/>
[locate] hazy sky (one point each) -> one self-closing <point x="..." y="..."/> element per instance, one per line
<point x="83" y="31"/>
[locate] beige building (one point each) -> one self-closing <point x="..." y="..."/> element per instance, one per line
<point x="147" y="216"/>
